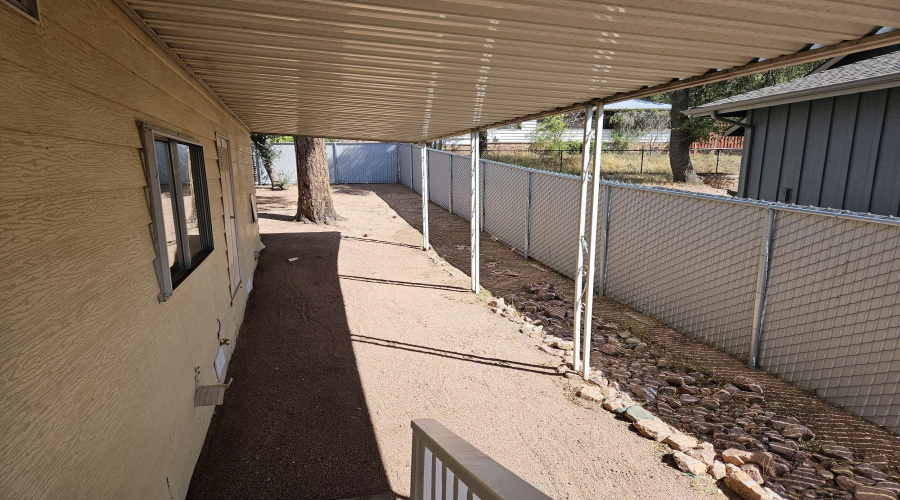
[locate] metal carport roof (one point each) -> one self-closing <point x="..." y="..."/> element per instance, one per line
<point x="410" y="70"/>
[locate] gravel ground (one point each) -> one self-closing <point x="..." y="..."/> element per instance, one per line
<point x="341" y="348"/>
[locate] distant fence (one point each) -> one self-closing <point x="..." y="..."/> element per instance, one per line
<point x="348" y="163"/>
<point x="619" y="161"/>
<point x="830" y="319"/>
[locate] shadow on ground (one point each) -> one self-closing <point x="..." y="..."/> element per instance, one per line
<point x="504" y="272"/>
<point x="295" y="423"/>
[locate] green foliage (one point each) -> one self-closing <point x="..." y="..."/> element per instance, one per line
<point x="549" y="133"/>
<point x="264" y="150"/>
<point x="701" y="128"/>
<point x="629" y="125"/>
<point x="279" y="181"/>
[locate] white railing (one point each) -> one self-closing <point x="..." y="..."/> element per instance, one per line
<point x="446" y="467"/>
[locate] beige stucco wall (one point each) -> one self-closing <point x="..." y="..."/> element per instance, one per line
<point x="96" y="375"/>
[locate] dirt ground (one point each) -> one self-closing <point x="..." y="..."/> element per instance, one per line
<point x="364" y="332"/>
<point x="504" y="272"/>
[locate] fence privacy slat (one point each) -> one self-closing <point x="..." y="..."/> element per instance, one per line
<point x="831" y="313"/>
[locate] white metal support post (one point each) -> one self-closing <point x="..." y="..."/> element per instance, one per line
<point x="582" y="241"/>
<point x="424" y="152"/>
<point x="475" y="213"/>
<point x="592" y="252"/>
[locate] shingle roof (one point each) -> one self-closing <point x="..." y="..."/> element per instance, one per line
<point x="882" y="71"/>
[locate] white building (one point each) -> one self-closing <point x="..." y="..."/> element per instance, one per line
<point x="524" y="132"/>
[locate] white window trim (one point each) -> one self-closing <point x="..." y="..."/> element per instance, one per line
<point x="149" y="135"/>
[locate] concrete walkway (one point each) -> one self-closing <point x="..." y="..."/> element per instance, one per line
<point x="364" y="332"/>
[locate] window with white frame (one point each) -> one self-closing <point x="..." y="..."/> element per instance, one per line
<point x="179" y="205"/>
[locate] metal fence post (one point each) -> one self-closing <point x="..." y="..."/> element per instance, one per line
<point x="717" y="160"/>
<point x="759" y="307"/>
<point x="528" y="214"/>
<point x="605" y="246"/>
<point x="334" y="153"/>
<point x="450" y="159"/>
<point x="483" y="208"/>
<point x="425" y="195"/>
<point x="642" y="160"/>
<point x="580" y="269"/>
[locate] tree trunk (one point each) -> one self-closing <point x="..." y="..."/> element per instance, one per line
<point x="679" y="142"/>
<point x="314" y="202"/>
<point x="268" y="168"/>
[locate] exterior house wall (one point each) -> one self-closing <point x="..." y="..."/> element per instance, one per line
<point x="97" y="375"/>
<point x="838" y="152"/>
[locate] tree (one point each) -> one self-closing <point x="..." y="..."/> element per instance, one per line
<point x="686" y="131"/>
<point x="314" y="188"/>
<point x="266" y="153"/>
<point x="680" y="140"/>
<point x="629" y="125"/>
<point x="550" y="133"/>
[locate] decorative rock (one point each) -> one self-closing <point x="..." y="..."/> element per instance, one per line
<point x="748" y="489"/>
<point x="551" y="351"/>
<point x="609" y="392"/>
<point x="688" y="464"/>
<point x="566" y="345"/>
<point x="747" y="384"/>
<point x="653" y="429"/>
<point x="680" y="442"/>
<point x="846" y="483"/>
<point x="613" y="404"/>
<point x="597" y="378"/>
<point x="839" y="452"/>
<point x="877" y="461"/>
<point x="709" y="403"/>
<point x="741" y="457"/>
<point x="873" y="493"/>
<point x="635" y="413"/>
<point x="590" y="393"/>
<point x="889" y="485"/>
<point x="648" y="394"/>
<point x="716" y="470"/>
<point x="632" y="341"/>
<point x="798" y="432"/>
<point x="871" y="472"/>
<point x="784" y="449"/>
<point x="688" y="399"/>
<point x="780" y="423"/>
<point x="707" y="456"/>
<point x="498" y="303"/>
<point x="612" y="350"/>
<point x="754" y="472"/>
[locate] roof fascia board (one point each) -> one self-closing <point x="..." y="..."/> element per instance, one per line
<point x="858" y="86"/>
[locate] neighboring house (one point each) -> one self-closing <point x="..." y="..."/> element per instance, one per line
<point x="830" y="139"/>
<point x="523" y="133"/>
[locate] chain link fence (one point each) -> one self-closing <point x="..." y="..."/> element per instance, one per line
<point x="651" y="163"/>
<point x="348" y="163"/>
<point x="823" y="286"/>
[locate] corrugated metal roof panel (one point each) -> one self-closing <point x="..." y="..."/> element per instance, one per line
<point x="419" y="69"/>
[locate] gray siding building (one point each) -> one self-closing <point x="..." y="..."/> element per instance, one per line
<point x="830" y="139"/>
